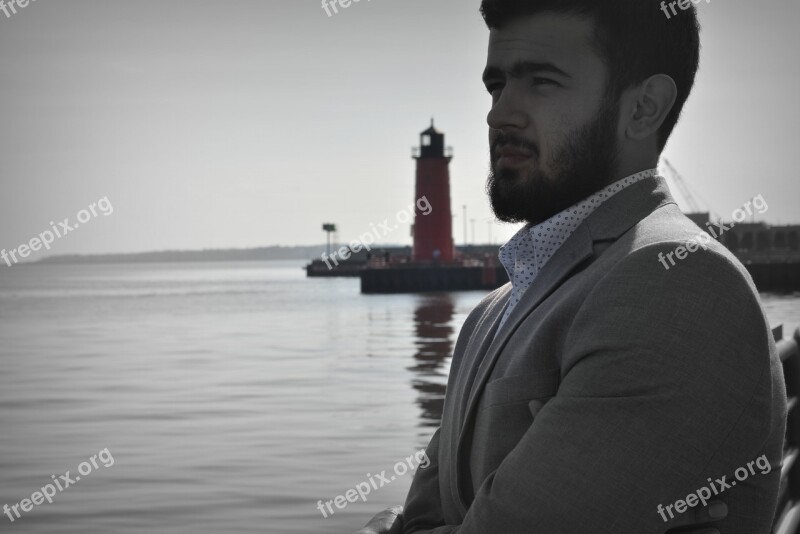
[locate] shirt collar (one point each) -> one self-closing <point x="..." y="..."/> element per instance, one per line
<point x="524" y="255"/>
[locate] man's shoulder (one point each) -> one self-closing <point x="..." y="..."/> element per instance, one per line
<point x="665" y="273"/>
<point x="670" y="249"/>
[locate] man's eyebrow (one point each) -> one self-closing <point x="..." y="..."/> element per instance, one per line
<point x="523" y="68"/>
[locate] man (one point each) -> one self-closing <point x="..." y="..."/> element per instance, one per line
<point x="599" y="392"/>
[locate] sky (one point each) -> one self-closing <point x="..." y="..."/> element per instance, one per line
<point x="246" y="123"/>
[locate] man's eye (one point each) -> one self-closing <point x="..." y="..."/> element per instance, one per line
<point x="544" y="81"/>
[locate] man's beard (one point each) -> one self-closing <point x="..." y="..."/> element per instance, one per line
<point x="584" y="164"/>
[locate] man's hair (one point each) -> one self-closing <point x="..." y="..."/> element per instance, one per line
<point x="634" y="37"/>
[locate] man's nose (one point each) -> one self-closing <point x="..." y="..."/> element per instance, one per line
<point x="507" y="112"/>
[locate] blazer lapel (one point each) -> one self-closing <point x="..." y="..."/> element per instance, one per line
<point x="605" y="224"/>
<point x="575" y="250"/>
<point x="478" y="347"/>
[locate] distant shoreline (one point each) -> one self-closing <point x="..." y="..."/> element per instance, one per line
<point x="305" y="253"/>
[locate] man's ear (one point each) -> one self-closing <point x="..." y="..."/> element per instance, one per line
<point x="648" y="105"/>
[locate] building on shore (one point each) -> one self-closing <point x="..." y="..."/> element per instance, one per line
<point x="771" y="254"/>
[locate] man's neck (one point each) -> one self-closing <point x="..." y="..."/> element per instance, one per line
<point x="628" y="164"/>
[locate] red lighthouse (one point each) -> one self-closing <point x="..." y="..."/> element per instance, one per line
<point x="433" y="233"/>
<point x="434" y="265"/>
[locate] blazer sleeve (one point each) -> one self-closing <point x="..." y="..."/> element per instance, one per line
<point x="423" y="507"/>
<point x="663" y="370"/>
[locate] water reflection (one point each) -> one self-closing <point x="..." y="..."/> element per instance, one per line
<point x="433" y="328"/>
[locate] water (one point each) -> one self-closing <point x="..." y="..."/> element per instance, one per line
<point x="232" y="397"/>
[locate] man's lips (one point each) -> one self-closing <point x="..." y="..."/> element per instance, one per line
<point x="512" y="156"/>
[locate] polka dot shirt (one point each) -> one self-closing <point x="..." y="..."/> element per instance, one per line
<point x="532" y="246"/>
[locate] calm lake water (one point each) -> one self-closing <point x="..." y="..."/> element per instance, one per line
<point x="231" y="396"/>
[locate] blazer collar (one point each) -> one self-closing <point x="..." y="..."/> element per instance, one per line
<point x="609" y="221"/>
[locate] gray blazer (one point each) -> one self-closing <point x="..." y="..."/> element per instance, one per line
<point x="615" y="386"/>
